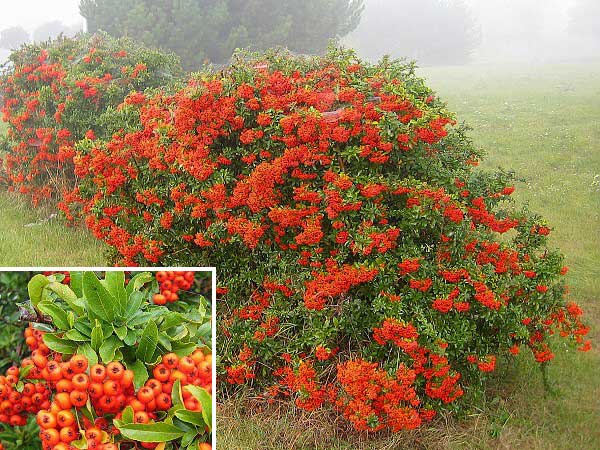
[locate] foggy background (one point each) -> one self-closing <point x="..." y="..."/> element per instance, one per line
<point x="434" y="32"/>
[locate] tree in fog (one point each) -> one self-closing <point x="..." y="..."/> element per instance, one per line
<point x="53" y="29"/>
<point x="429" y="31"/>
<point x="201" y="30"/>
<point x="13" y="37"/>
<point x="585" y="19"/>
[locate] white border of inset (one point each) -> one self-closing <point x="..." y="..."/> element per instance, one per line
<point x="212" y="270"/>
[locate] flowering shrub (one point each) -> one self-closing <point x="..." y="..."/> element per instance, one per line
<point x="55" y="94"/>
<point x="364" y="263"/>
<point x="109" y="369"/>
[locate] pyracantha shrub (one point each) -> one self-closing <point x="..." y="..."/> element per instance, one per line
<point x="364" y="262"/>
<point x="110" y="370"/>
<point x="55" y="94"/>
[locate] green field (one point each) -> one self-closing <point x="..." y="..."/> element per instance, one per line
<point x="37" y="237"/>
<point x="543" y="122"/>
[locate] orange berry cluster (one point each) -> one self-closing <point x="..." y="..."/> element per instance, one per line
<point x="109" y="388"/>
<point x="34" y="340"/>
<point x="170" y="284"/>
<point x="15" y="405"/>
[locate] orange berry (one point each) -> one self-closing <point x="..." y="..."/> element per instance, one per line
<point x="63" y="400"/>
<point x="65" y="418"/>
<point x="79" y="363"/>
<point x="78" y="398"/>
<point x="141" y="417"/>
<point x="98" y="373"/>
<point x="50" y="436"/>
<point x="68" y="434"/>
<point x="80" y="381"/>
<point x="115" y="370"/>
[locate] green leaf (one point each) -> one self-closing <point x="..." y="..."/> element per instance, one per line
<point x="193" y="417"/>
<point x="134" y="304"/>
<point x="131" y="338"/>
<point x="115" y="283"/>
<point x="35" y="288"/>
<point x="83" y="326"/>
<point x="205" y="400"/>
<point x="58" y="315"/>
<point x="127" y="416"/>
<point x="108" y="348"/>
<point x="188" y="437"/>
<point x="60" y="345"/>
<point x="76" y="336"/>
<point x="176" y="396"/>
<point x="164" y="342"/>
<point x="77" y="283"/>
<point x="101" y="303"/>
<point x="140" y="373"/>
<point x="65" y="293"/>
<point x="87" y="351"/>
<point x="181" y="349"/>
<point x="147" y="344"/>
<point x="97" y="337"/>
<point x="138" y="281"/>
<point x="121" y="332"/>
<point x="139" y="318"/>
<point x="151" y="432"/>
<point x="24" y="371"/>
<point x="172" y="319"/>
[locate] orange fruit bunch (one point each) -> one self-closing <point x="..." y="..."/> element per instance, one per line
<point x="171" y="283"/>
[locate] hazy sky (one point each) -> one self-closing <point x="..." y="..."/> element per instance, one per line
<point x="32" y="13"/>
<point x="511" y="29"/>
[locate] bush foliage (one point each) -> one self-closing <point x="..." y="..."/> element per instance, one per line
<point x="364" y="262"/>
<point x="55" y="94"/>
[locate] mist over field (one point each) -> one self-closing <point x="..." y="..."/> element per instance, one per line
<point x="433" y="32"/>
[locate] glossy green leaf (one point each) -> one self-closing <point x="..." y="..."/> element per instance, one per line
<point x="35" y="288"/>
<point x="97" y="337"/>
<point x="139" y="280"/>
<point x="154" y="432"/>
<point x="134" y="304"/>
<point x="140" y="373"/>
<point x="108" y="348"/>
<point x="87" y="351"/>
<point x="100" y="302"/>
<point x="147" y="344"/>
<point x="76" y="336"/>
<point x="114" y="281"/>
<point x="77" y="283"/>
<point x="127" y="416"/>
<point x="60" y="345"/>
<point x="65" y="293"/>
<point x="193" y="417"/>
<point x="176" y="396"/>
<point x="56" y="313"/>
<point x="205" y="400"/>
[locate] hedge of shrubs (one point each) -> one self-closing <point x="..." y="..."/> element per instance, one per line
<point x="56" y="93"/>
<point x="364" y="263"/>
<point x="108" y="367"/>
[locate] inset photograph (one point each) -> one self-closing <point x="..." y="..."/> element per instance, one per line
<point x="106" y="360"/>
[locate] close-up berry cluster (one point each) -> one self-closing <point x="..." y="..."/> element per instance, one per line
<point x="95" y="401"/>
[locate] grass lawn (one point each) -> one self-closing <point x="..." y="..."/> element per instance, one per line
<point x="33" y="237"/>
<point x="543" y="122"/>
